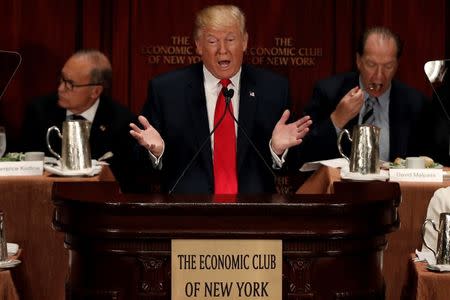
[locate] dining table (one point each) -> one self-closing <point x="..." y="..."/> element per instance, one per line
<point x="28" y="213"/>
<point x="424" y="282"/>
<point x="401" y="243"/>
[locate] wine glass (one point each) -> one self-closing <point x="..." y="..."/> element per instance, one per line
<point x="2" y="141"/>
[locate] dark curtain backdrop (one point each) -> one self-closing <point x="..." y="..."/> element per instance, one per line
<point x="305" y="40"/>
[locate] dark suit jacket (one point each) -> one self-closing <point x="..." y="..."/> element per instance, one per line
<point x="109" y="131"/>
<point x="176" y="107"/>
<point x="405" y="109"/>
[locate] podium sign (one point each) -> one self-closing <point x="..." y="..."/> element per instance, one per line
<point x="227" y="269"/>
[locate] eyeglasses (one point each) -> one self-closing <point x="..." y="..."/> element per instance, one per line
<point x="70" y="85"/>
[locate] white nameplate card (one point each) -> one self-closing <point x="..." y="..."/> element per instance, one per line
<point x="21" y="168"/>
<point x="226" y="269"/>
<point x="416" y="175"/>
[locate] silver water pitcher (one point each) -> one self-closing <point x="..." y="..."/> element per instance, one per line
<point x="3" y="244"/>
<point x="365" y="150"/>
<point x="75" y="149"/>
<point x="442" y="252"/>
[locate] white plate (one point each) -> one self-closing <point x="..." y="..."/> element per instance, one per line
<point x="87" y="172"/>
<point x="10" y="263"/>
<point x="51" y="160"/>
<point x="382" y="176"/>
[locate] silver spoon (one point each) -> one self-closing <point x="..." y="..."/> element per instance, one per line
<point x="375" y="86"/>
<point x="106" y="156"/>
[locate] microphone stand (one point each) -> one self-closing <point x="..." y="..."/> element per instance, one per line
<point x="249" y="140"/>
<point x="208" y="138"/>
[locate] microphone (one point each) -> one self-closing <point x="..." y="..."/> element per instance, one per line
<point x="441" y="103"/>
<point x="10" y="62"/>
<point x="437" y="75"/>
<point x="228" y="94"/>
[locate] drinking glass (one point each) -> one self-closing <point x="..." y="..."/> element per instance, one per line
<point x="2" y="141"/>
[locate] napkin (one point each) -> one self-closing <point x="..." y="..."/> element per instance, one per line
<point x="12" y="248"/>
<point x="56" y="170"/>
<point x="439" y="268"/>
<point x="346" y="174"/>
<point x="334" y="163"/>
<point x="428" y="256"/>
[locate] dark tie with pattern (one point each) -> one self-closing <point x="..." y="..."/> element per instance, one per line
<point x="225" y="176"/>
<point x="76" y="117"/>
<point x="369" y="117"/>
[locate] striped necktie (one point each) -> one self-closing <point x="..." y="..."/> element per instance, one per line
<point x="369" y="117"/>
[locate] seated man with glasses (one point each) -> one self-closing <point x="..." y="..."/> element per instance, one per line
<point x="81" y="95"/>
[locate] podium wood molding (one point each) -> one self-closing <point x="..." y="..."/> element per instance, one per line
<point x="119" y="244"/>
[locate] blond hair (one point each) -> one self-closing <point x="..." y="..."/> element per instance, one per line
<point x="218" y="16"/>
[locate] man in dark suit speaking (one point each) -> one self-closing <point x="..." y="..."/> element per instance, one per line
<point x="82" y="83"/>
<point x="184" y="106"/>
<point x="370" y="96"/>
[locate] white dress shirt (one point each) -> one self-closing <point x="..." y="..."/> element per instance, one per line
<point x="439" y="203"/>
<point x="88" y="114"/>
<point x="212" y="90"/>
<point x="381" y="115"/>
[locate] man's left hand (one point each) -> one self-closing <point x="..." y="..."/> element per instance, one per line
<point x="285" y="135"/>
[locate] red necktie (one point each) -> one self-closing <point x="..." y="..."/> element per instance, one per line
<point x="225" y="176"/>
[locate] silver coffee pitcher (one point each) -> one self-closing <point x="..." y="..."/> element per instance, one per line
<point x="442" y="252"/>
<point x="3" y="244"/>
<point x="365" y="151"/>
<point x="75" y="149"/>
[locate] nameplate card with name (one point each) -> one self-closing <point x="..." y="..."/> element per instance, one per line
<point x="21" y="168"/>
<point x="416" y="175"/>
<point x="227" y="269"/>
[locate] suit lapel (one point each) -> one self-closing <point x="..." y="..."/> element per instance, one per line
<point x="59" y="116"/>
<point x="248" y="99"/>
<point x="99" y="129"/>
<point x="395" y="133"/>
<point x="349" y="84"/>
<point x="196" y="103"/>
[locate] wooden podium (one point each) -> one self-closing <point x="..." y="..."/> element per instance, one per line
<point x="119" y="244"/>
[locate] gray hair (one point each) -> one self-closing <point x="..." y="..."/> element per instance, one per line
<point x="101" y="71"/>
<point x="385" y="33"/>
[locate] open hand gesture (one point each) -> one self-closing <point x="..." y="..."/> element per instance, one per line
<point x="285" y="135"/>
<point x="147" y="137"/>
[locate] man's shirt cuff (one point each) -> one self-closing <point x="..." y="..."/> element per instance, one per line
<point x="277" y="162"/>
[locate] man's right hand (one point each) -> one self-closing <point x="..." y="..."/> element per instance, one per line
<point x="348" y="107"/>
<point x="148" y="137"/>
